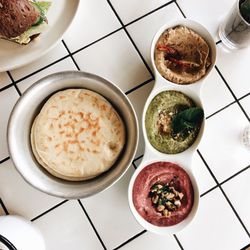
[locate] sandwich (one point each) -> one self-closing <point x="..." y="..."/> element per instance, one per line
<point x="22" y="20"/>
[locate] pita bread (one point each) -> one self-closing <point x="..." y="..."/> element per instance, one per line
<point x="191" y="48"/>
<point x="77" y="135"/>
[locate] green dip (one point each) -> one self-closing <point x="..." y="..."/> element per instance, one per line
<point x="159" y="115"/>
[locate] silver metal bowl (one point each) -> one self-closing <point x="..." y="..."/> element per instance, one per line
<point x="28" y="106"/>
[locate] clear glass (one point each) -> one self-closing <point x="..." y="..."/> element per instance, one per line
<point x="234" y="31"/>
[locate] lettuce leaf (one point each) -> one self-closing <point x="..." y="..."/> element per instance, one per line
<point x="43" y="6"/>
<point x="33" y="30"/>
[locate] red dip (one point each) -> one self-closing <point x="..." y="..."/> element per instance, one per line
<point x="163" y="194"/>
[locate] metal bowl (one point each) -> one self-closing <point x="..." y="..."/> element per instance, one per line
<point x="29" y="105"/>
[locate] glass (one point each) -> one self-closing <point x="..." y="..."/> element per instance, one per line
<point x="234" y="32"/>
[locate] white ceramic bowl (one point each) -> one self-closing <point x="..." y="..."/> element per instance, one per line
<point x="183" y="159"/>
<point x="19" y="233"/>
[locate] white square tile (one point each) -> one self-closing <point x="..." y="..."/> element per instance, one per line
<point x="149" y="241"/>
<point x="138" y="99"/>
<point x="94" y="20"/>
<point x="215" y="94"/>
<point x="67" y="228"/>
<point x="237" y="192"/>
<point x="116" y="59"/>
<point x="4" y="79"/>
<point x="215" y="226"/>
<point x="19" y="197"/>
<point x="144" y="30"/>
<point x="8" y="98"/>
<point x="129" y="10"/>
<point x="203" y="177"/>
<point x="233" y="67"/>
<point x="208" y="13"/>
<point x="66" y="64"/>
<point x="110" y="213"/>
<point x="58" y="52"/>
<point x="221" y="145"/>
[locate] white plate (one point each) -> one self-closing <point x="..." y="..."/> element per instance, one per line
<point x="60" y="16"/>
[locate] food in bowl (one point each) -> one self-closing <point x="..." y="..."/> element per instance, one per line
<point x="181" y="55"/>
<point x="172" y="122"/>
<point x="163" y="194"/>
<point x="22" y="20"/>
<point x="77" y="135"/>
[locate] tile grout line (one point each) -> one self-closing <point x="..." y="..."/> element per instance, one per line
<point x="135" y="167"/>
<point x="242" y="97"/>
<point x="14" y="83"/>
<point x="72" y="58"/>
<point x="7" y="87"/>
<point x="96" y="41"/>
<point x="247" y="247"/>
<point x="223" y="192"/>
<point x="178" y="6"/>
<point x="139" y="53"/>
<point x="231" y="91"/>
<point x="209" y="190"/>
<point x="149" y="13"/>
<point x="92" y="224"/>
<point x="41" y="69"/>
<point x="49" y="210"/>
<point x="139" y="86"/>
<point x="178" y="242"/>
<point x="130" y="239"/>
<point x="235" y="212"/>
<point x="4" y="160"/>
<point x="130" y="38"/>
<point x="234" y="175"/>
<point x="138" y="157"/>
<point x="4" y="207"/>
<point x="57" y="61"/>
<point x="218" y="111"/>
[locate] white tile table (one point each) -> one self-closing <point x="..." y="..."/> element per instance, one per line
<point x="112" y="38"/>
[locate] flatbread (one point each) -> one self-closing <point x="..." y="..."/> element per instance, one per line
<point x="77" y="135"/>
<point x="192" y="49"/>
